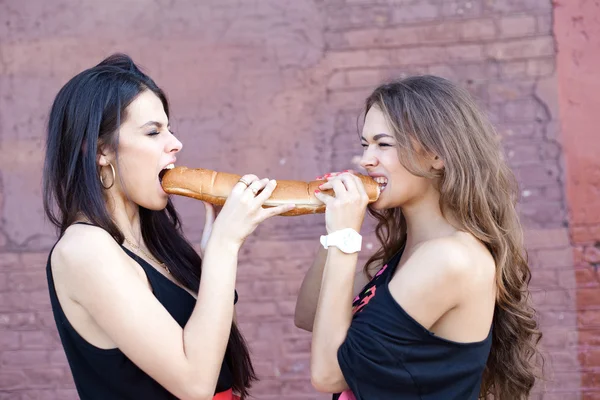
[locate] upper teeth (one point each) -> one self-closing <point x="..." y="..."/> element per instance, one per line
<point x="170" y="166"/>
<point x="381" y="180"/>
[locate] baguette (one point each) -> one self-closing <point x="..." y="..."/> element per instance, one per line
<point x="214" y="187"/>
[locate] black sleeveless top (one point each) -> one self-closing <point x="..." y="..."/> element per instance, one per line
<point x="102" y="374"/>
<point x="389" y="355"/>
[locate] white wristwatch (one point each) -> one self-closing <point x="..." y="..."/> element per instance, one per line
<point x="347" y="240"/>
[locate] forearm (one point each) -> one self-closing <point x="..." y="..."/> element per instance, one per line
<point x="333" y="317"/>
<point x="206" y="333"/>
<point x="308" y="296"/>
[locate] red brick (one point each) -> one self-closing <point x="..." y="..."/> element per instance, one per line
<point x="588" y="319"/>
<point x="28" y="281"/>
<point x="585" y="233"/>
<point x="586" y="277"/>
<point x="541" y="67"/>
<point x="521" y="48"/>
<point x="39" y="340"/>
<point x="478" y="29"/>
<point x="9" y="262"/>
<point x="11" y="379"/>
<point x="559" y="258"/>
<point x="589" y="338"/>
<point x="518" y="26"/>
<point x="560" y="338"/>
<point x="588" y="298"/>
<point x="591" y="254"/>
<point x="590" y="356"/>
<point x="23" y="358"/>
<point x="510" y="7"/>
<point x="43" y="377"/>
<point x="9" y="340"/>
<point x="296" y="345"/>
<point x="461" y="9"/>
<point x="514" y="69"/>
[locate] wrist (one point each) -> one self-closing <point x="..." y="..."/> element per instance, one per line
<point x="223" y="242"/>
<point x="347" y="240"/>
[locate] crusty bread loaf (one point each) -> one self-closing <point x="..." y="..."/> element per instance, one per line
<point x="214" y="187"/>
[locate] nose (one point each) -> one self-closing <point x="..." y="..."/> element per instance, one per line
<point x="368" y="159"/>
<point x="174" y="145"/>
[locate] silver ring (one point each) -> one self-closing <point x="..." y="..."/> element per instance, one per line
<point x="244" y="182"/>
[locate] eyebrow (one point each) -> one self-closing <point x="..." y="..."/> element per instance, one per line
<point x="378" y="136"/>
<point x="153" y="123"/>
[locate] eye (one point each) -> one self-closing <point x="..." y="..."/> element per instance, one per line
<point x="364" y="145"/>
<point x="153" y="133"/>
<point x="385" y="145"/>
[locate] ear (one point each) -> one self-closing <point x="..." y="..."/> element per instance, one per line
<point x="437" y="163"/>
<point x="102" y="160"/>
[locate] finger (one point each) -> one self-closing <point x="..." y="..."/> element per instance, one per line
<point x="349" y="182"/>
<point x="323" y="198"/>
<point x="269" y="212"/>
<point x="267" y="191"/>
<point x="240" y="186"/>
<point x="339" y="188"/>
<point x="255" y="188"/>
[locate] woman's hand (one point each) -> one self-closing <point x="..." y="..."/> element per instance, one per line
<point x="242" y="211"/>
<point x="347" y="209"/>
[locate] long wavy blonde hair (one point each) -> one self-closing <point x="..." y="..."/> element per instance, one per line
<point x="481" y="192"/>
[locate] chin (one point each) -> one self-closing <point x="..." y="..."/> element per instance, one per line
<point x="155" y="206"/>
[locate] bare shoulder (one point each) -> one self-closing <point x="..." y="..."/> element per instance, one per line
<point x="439" y="275"/>
<point x="87" y="256"/>
<point x="459" y="257"/>
<point x="80" y="246"/>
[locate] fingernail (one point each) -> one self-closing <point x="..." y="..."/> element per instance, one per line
<point x="317" y="191"/>
<point x="273" y="181"/>
<point x="318" y="178"/>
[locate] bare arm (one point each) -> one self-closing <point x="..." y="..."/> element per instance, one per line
<point x="187" y="362"/>
<point x="332" y="321"/>
<point x="426" y="296"/>
<point x="308" y="296"/>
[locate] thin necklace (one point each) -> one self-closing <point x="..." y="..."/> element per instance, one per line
<point x="136" y="247"/>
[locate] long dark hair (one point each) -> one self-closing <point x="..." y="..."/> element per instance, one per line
<point x="85" y="116"/>
<point x="481" y="192"/>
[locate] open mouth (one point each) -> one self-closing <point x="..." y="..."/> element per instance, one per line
<point x="382" y="182"/>
<point x="164" y="170"/>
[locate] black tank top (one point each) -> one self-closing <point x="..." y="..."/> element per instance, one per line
<point x="102" y="374"/>
<point x="388" y="355"/>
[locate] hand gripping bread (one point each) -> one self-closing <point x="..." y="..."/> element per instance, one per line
<point x="214" y="187"/>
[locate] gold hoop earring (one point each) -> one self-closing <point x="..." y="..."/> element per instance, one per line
<point x="113" y="180"/>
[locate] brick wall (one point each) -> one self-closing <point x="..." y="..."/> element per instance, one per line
<point x="274" y="88"/>
<point x="577" y="37"/>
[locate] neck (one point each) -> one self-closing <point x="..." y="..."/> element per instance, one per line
<point x="126" y="216"/>
<point x="425" y="221"/>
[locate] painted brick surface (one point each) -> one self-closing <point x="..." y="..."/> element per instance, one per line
<point x="275" y="88"/>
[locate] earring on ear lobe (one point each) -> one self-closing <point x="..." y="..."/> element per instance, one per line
<point x="113" y="176"/>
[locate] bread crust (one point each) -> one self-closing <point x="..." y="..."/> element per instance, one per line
<point x="214" y="187"/>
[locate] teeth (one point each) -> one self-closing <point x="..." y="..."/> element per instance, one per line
<point x="381" y="180"/>
<point x="170" y="166"/>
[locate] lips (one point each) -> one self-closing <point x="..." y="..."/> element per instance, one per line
<point x="381" y="181"/>
<point x="162" y="172"/>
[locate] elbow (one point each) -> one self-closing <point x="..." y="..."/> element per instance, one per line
<point x="327" y="383"/>
<point x="325" y="379"/>
<point x="197" y="391"/>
